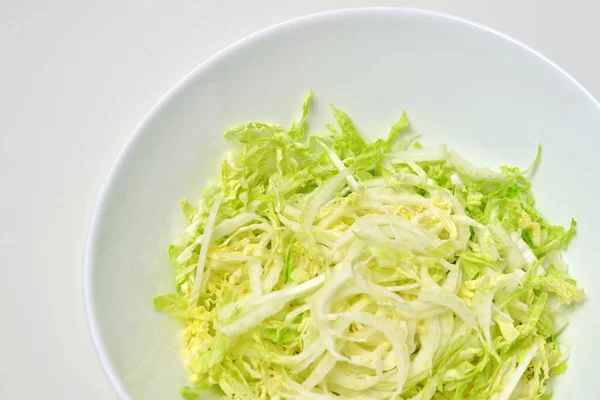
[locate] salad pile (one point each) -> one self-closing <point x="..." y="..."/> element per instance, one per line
<point x="327" y="267"/>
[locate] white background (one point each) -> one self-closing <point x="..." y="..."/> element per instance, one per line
<point x="75" y="79"/>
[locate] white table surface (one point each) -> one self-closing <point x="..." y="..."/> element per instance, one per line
<point x="76" y="77"/>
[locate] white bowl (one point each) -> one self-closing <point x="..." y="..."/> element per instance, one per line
<point x="462" y="83"/>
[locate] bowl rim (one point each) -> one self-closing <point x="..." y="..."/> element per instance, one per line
<point x="101" y="203"/>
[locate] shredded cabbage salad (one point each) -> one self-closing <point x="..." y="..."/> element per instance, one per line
<point x="328" y="267"/>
